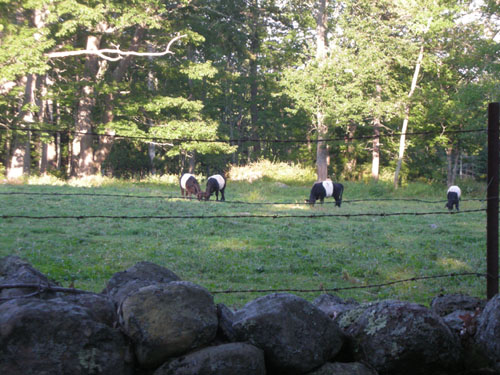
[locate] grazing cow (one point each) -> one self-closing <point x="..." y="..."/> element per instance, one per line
<point x="215" y="184"/>
<point x="453" y="196"/>
<point x="322" y="190"/>
<point x="189" y="185"/>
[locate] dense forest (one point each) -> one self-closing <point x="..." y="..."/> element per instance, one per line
<point x="358" y="89"/>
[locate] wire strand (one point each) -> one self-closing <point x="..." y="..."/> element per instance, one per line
<point x="236" y="201"/>
<point x="418" y="278"/>
<point x="243" y="139"/>
<point x="169" y="217"/>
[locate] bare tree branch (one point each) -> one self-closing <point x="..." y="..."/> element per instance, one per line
<point x="102" y="53"/>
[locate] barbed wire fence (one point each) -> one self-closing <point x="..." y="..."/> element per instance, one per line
<point x="491" y="199"/>
<point x="43" y="288"/>
<point x="241" y="216"/>
<point x="46" y="288"/>
<point x="179" y="197"/>
<point x="152" y="138"/>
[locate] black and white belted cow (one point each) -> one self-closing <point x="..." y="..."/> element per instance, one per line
<point x="189" y="185"/>
<point x="453" y="194"/>
<point x="325" y="189"/>
<point x="215" y="184"/>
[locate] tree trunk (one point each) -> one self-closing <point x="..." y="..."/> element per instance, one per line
<point x="321" y="150"/>
<point x="377" y="123"/>
<point x="152" y="154"/>
<point x="48" y="152"/>
<point x="321" y="29"/>
<point x="106" y="142"/>
<point x="322" y="129"/>
<point x="20" y="159"/>
<point x="192" y="162"/>
<point x="58" y="151"/>
<point x="455" y="166"/>
<point x="21" y="156"/>
<point x="452" y="157"/>
<point x="350" y="166"/>
<point x="152" y="88"/>
<point x="402" y="140"/>
<point x="82" y="152"/>
<point x="254" y="50"/>
<point x="376" y="149"/>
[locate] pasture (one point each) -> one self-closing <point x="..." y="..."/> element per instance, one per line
<point x="242" y="253"/>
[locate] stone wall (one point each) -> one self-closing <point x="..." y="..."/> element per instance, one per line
<point x="147" y="321"/>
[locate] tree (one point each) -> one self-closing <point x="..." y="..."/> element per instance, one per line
<point x="26" y="29"/>
<point x="373" y="32"/>
<point x="404" y="128"/>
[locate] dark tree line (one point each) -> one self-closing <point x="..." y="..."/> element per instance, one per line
<point x="124" y="89"/>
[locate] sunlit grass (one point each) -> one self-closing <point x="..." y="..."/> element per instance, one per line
<point x="286" y="173"/>
<point x="454" y="265"/>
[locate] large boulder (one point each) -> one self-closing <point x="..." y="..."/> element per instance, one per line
<point x="401" y="338"/>
<point x="226" y="359"/>
<point x="14" y="270"/>
<point x="295" y="335"/>
<point x="139" y="275"/>
<point x="338" y="368"/>
<point x="448" y="303"/>
<point x="50" y="337"/>
<point x="488" y="332"/>
<point x="168" y="320"/>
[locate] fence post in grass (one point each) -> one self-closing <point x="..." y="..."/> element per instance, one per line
<point x="492" y="201"/>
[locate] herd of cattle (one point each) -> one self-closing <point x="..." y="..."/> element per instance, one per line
<point x="319" y="191"/>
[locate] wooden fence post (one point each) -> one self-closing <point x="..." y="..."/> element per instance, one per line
<point x="492" y="201"/>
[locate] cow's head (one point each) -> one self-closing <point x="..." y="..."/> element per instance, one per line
<point x="203" y="195"/>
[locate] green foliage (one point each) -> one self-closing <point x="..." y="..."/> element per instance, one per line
<point x="249" y="72"/>
<point x="126" y="161"/>
<point x="22" y="52"/>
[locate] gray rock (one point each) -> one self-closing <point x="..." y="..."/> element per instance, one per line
<point x="401" y="338"/>
<point x="226" y="317"/>
<point x="168" y="320"/>
<point x="14" y="270"/>
<point x="488" y="332"/>
<point x="333" y="305"/>
<point x="226" y="359"/>
<point x="338" y="368"/>
<point x="52" y="337"/>
<point x="444" y="305"/>
<point x="295" y="335"/>
<point x="99" y="307"/>
<point x="139" y="275"/>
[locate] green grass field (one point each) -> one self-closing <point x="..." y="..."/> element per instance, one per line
<point x="252" y="253"/>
